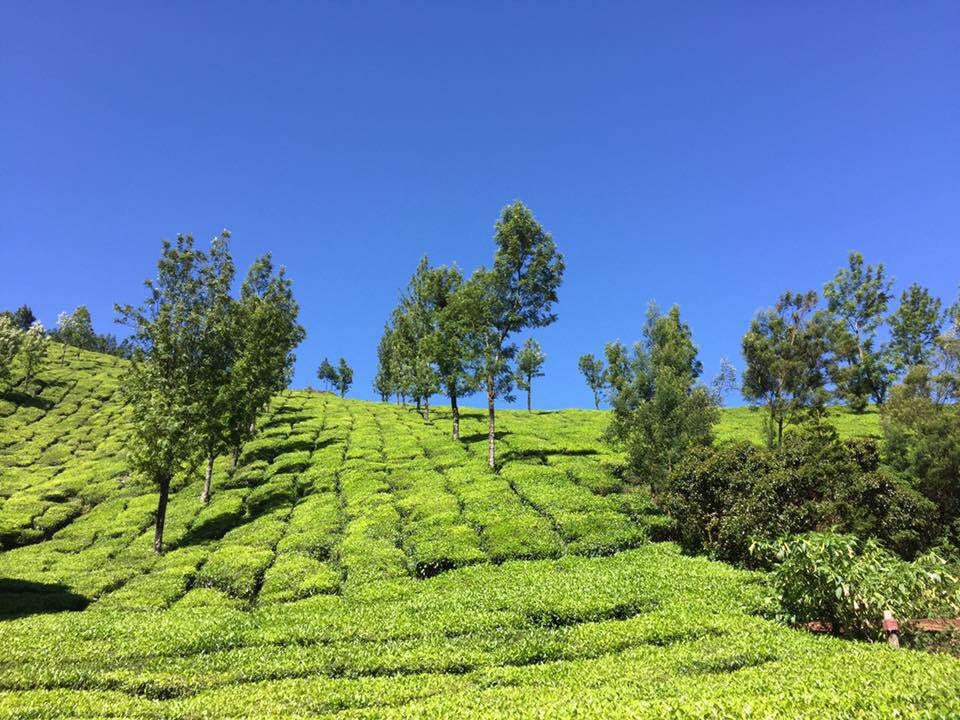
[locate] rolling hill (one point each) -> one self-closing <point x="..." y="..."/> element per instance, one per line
<point x="359" y="563"/>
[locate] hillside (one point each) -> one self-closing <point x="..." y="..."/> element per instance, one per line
<point x="362" y="564"/>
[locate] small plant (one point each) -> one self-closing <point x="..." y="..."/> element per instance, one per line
<point x="848" y="583"/>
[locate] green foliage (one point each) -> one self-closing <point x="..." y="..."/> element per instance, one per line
<point x="11" y="338"/>
<point x="517" y="293"/>
<point x="660" y="411"/>
<point x="858" y="297"/>
<point x="722" y="497"/>
<point x="914" y="327"/>
<point x="592" y="370"/>
<point x="786" y="350"/>
<point x="530" y="362"/>
<point x="327" y="374"/>
<point x="848" y="583"/>
<point x="344" y="377"/>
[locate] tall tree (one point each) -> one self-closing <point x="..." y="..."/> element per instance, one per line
<point x="344" y="377"/>
<point x="327" y="374"/>
<point x="858" y="297"/>
<point x="666" y="411"/>
<point x="517" y="293"/>
<point x="449" y="345"/>
<point x="786" y="350"/>
<point x="725" y="380"/>
<point x="267" y="332"/>
<point x="384" y="382"/>
<point x="23" y="317"/>
<point x="914" y="327"/>
<point x="34" y="352"/>
<point x="10" y="339"/>
<point x="592" y="369"/>
<point x="162" y="377"/>
<point x="530" y="362"/>
<point x="218" y="354"/>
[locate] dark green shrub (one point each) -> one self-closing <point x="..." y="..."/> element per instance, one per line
<point x="722" y="497"/>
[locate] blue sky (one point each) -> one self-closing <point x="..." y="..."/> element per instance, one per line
<point x="710" y="155"/>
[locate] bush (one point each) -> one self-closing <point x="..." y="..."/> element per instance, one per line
<point x="848" y="583"/>
<point x="721" y="497"/>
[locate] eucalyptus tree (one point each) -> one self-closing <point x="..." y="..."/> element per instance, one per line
<point x="914" y="327"/>
<point x="592" y="369"/>
<point x="11" y="338"/>
<point x="344" y="377"/>
<point x="660" y="410"/>
<point x="449" y="345"/>
<point x="218" y="354"/>
<point x="517" y="293"/>
<point x="383" y="382"/>
<point x="327" y="374"/>
<point x="267" y="332"/>
<point x="164" y="372"/>
<point x="34" y="351"/>
<point x="787" y="354"/>
<point x="530" y="362"/>
<point x="858" y="297"/>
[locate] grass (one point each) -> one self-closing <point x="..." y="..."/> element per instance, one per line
<point x="361" y="564"/>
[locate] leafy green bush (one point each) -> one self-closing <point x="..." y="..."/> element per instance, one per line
<point x="848" y="583"/>
<point x="722" y="496"/>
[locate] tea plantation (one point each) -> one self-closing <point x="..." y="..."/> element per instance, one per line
<point x="361" y="564"/>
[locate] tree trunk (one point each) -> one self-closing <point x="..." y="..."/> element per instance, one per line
<point x="161" y="514"/>
<point x="235" y="458"/>
<point x="491" y="425"/>
<point x="529" y="406"/>
<point x="205" y="495"/>
<point x="455" y="411"/>
<point x="426" y="409"/>
<point x="596" y="400"/>
<point x="418" y="405"/>
<point x="780" y="431"/>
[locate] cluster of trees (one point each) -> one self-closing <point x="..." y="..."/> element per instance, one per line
<point x="338" y="378"/>
<point x="204" y="364"/>
<point x="26" y="344"/>
<point x="800" y="357"/>
<point x="74" y="329"/>
<point x="454" y="335"/>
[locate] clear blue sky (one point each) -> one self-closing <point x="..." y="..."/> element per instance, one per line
<point x="711" y="155"/>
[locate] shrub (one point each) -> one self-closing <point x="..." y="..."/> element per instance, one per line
<point x="848" y="583"/>
<point x="721" y="497"/>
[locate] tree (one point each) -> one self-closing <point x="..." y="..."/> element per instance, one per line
<point x="530" y="361"/>
<point x="517" y="293"/>
<point x="451" y="351"/>
<point x="914" y="327"/>
<point x="593" y="372"/>
<point x="668" y="411"/>
<point x="267" y="332"/>
<point x="725" y="380"/>
<point x="23" y="317"/>
<point x="344" y="377"/>
<point x="787" y="363"/>
<point x="858" y="297"/>
<point x="161" y="380"/>
<point x="218" y="354"/>
<point x="10" y="339"/>
<point x="383" y="381"/>
<point x="415" y="324"/>
<point x="921" y="427"/>
<point x="34" y="351"/>
<point x="327" y="374"/>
